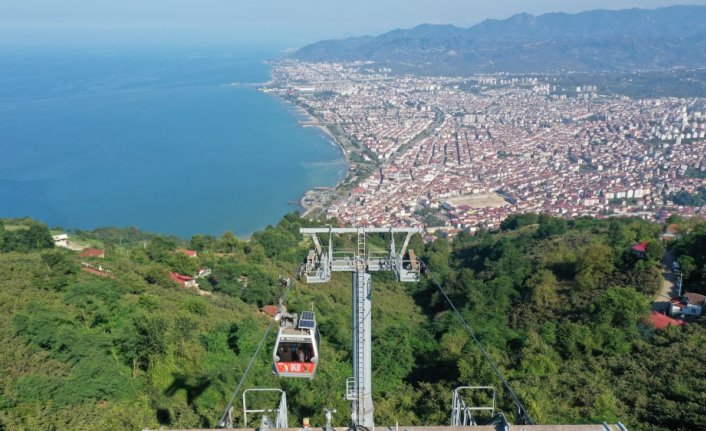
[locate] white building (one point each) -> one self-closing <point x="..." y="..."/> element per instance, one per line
<point x="61" y="240"/>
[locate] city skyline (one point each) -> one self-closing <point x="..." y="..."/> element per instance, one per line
<point x="484" y="147"/>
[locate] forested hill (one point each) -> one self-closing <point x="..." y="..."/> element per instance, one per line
<point x="560" y="306"/>
<point x="599" y="40"/>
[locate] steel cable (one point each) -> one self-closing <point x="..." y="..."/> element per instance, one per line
<point x="222" y="423"/>
<point x="525" y="417"/>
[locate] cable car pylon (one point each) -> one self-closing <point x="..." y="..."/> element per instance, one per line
<point x="318" y="266"/>
<point x="360" y="261"/>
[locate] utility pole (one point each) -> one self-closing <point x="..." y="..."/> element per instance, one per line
<point x="317" y="268"/>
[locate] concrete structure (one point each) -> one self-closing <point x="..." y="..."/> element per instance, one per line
<point x="689" y="304"/>
<point x="61" y="240"/>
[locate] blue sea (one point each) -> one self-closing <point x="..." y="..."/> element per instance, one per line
<point x="156" y="140"/>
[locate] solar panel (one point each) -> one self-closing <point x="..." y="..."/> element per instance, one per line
<point x="307" y="324"/>
<point x="307" y="321"/>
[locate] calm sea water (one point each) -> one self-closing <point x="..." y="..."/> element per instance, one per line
<point x="152" y="140"/>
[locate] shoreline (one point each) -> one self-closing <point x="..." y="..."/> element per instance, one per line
<point x="313" y="122"/>
<point x="318" y="193"/>
<point x="333" y="138"/>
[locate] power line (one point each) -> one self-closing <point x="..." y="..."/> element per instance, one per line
<point x="523" y="411"/>
<point x="223" y="422"/>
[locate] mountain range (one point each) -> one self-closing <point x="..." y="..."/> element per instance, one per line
<point x="593" y="41"/>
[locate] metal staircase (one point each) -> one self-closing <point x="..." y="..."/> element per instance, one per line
<point x="361" y="245"/>
<point x="362" y="325"/>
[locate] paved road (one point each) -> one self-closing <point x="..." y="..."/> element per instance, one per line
<point x="668" y="290"/>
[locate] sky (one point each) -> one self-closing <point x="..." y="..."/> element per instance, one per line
<point x="279" y="24"/>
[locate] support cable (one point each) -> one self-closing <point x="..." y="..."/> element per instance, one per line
<point x="524" y="416"/>
<point x="222" y="423"/>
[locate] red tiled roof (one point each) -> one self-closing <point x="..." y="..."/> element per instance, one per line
<point x="270" y="309"/>
<point x="641" y="247"/>
<point x="179" y="278"/>
<point x="660" y="321"/>
<point x="91" y="252"/>
<point x="191" y="253"/>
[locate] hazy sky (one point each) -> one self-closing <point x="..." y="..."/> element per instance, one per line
<point x="274" y="23"/>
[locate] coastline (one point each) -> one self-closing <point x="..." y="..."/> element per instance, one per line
<point x="333" y="138"/>
<point x="317" y="197"/>
<point x="53" y="187"/>
<point x="311" y="121"/>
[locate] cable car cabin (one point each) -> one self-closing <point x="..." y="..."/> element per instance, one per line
<point x="296" y="351"/>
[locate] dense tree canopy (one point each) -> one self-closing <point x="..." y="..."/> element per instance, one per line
<point x="24" y="236"/>
<point x="559" y="305"/>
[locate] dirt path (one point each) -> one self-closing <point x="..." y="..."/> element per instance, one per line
<point x="668" y="289"/>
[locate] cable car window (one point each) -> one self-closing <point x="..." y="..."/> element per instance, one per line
<point x="295" y="352"/>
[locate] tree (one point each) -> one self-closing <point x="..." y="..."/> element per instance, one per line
<point x="621" y="307"/>
<point x="543" y="287"/>
<point x="160" y="249"/>
<point x="60" y="261"/>
<point x="593" y="265"/>
<point x="157" y="274"/>
<point x="142" y="340"/>
<point x="675" y="219"/>
<point x="516" y="221"/>
<point x="227" y="242"/>
<point x="550" y="226"/>
<point x="573" y="340"/>
<point x="39" y="237"/>
<point x="655" y="249"/>
<point x="687" y="265"/>
<point x="202" y="242"/>
<point x="183" y="264"/>
<point x="35" y="237"/>
<point x="618" y="234"/>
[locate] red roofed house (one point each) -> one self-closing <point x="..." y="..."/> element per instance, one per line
<point x="640" y="249"/>
<point x="660" y="321"/>
<point x="93" y="252"/>
<point x="358" y="194"/>
<point x="271" y="310"/>
<point x="190" y="253"/>
<point x="671" y="233"/>
<point x="183" y="280"/>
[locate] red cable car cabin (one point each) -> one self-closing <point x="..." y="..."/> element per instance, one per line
<point x="296" y="351"/>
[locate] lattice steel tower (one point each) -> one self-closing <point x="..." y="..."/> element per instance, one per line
<point x="317" y="268"/>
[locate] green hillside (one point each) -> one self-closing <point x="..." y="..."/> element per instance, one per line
<point x="560" y="306"/>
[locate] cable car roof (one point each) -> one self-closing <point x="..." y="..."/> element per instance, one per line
<point x="307" y="321"/>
